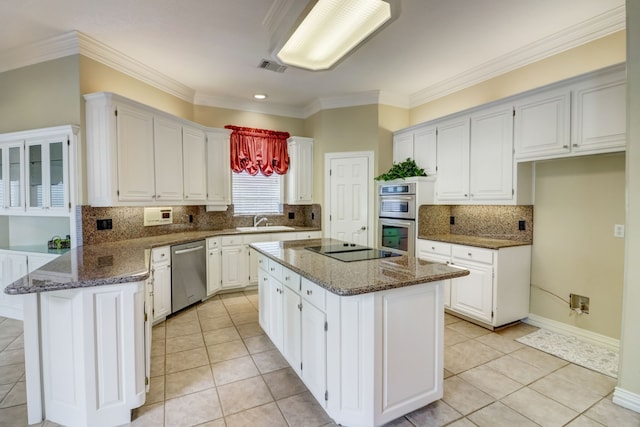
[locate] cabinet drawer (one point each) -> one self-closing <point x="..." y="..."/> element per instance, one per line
<point x="309" y="235"/>
<point x="468" y="253"/>
<point x="439" y="248"/>
<point x="263" y="261"/>
<point x="291" y="280"/>
<point x="213" y="243"/>
<point x="161" y="254"/>
<point x="313" y="293"/>
<point x="231" y="240"/>
<point x="254" y="238"/>
<point x="275" y="270"/>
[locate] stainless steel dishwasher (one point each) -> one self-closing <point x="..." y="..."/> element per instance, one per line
<point x="188" y="274"/>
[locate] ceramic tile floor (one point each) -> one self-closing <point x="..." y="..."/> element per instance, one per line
<point x="213" y="366"/>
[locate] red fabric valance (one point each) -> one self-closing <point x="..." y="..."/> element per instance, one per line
<point x="256" y="150"/>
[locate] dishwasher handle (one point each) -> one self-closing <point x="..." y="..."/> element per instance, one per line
<point x="185" y="251"/>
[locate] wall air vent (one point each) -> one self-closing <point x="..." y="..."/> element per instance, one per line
<point x="272" y="66"/>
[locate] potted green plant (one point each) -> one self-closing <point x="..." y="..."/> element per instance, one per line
<point x="402" y="170"/>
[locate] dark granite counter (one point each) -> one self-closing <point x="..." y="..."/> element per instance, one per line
<point x="110" y="263"/>
<point x="480" y="242"/>
<point x="359" y="277"/>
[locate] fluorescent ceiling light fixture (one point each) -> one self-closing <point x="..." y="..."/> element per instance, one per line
<point x="260" y="96"/>
<point x="330" y="30"/>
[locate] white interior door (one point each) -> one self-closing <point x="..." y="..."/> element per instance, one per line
<point x="350" y="209"/>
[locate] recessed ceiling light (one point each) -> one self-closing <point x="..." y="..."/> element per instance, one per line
<point x="260" y="96"/>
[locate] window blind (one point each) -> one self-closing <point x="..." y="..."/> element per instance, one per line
<point x="256" y="194"/>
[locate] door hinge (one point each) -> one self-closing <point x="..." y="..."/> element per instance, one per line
<point x="514" y="112"/>
<point x="326" y="395"/>
<point x="492" y="315"/>
<point x="326" y="326"/>
<point x="329" y="172"/>
<point x="145" y="316"/>
<point x="69" y="205"/>
<point x="329" y="217"/>
<point x="513" y="192"/>
<point x="115" y="112"/>
<point x="68" y="141"/>
<point x="301" y="366"/>
<point x="300" y="306"/>
<point x="436" y="132"/>
<point x="146" y="380"/>
<point x="118" y="192"/>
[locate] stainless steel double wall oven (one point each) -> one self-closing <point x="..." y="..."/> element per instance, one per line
<point x="397" y="217"/>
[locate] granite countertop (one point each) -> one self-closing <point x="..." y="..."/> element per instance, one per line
<point x="480" y="242"/>
<point x="358" y="277"/>
<point x="110" y="263"/>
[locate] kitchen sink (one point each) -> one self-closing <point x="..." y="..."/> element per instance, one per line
<point x="266" y="229"/>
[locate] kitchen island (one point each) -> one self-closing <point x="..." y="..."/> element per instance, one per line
<point x="366" y="337"/>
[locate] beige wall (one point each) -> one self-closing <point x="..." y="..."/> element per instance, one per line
<point x="588" y="57"/>
<point x="220" y="117"/>
<point x="629" y="373"/>
<point x="41" y="95"/>
<point x="341" y="130"/>
<point x="390" y="119"/>
<point x="97" y="77"/>
<point x="577" y="203"/>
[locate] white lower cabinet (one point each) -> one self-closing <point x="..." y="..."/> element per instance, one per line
<point x="437" y="252"/>
<point x="235" y="262"/>
<point x="496" y="292"/>
<point x="214" y="264"/>
<point x="13" y="266"/>
<point x="367" y="359"/>
<point x="161" y="276"/>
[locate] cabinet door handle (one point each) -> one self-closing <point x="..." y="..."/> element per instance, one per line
<point x="575" y="145"/>
<point x="272" y="269"/>
<point x="565" y="146"/>
<point x="466" y="195"/>
<point x="287" y="278"/>
<point x="309" y="291"/>
<point x="469" y="253"/>
<point x="158" y="196"/>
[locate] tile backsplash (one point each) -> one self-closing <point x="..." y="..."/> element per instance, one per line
<point x="128" y="221"/>
<point x="495" y="221"/>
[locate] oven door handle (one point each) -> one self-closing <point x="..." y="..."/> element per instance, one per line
<point x="397" y="197"/>
<point x="385" y="221"/>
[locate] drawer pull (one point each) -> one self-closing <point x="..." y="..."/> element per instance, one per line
<point x="469" y="253"/>
<point x="433" y="248"/>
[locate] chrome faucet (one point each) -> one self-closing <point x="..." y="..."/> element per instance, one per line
<point x="257" y="221"/>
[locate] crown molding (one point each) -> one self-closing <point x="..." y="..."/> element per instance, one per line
<point x="587" y="31"/>
<point x="41" y="51"/>
<point x="241" y="104"/>
<point x="110" y="57"/>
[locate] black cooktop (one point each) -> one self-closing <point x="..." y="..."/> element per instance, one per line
<point x="348" y="252"/>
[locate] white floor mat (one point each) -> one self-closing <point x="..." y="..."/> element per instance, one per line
<point x="571" y="349"/>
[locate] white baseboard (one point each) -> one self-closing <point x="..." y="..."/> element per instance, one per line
<point x="626" y="399"/>
<point x="581" y="334"/>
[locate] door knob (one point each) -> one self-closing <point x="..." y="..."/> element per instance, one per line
<point x="364" y="227"/>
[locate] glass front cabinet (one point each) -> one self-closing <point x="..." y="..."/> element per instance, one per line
<point x="11" y="176"/>
<point x="34" y="171"/>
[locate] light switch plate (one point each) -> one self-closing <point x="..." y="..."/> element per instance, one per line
<point x="618" y="230"/>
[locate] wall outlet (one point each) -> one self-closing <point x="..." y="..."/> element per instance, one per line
<point x="618" y="230"/>
<point x="522" y="225"/>
<point x="452" y="220"/>
<point x="313" y="216"/>
<point x="104" y="224"/>
<point x="292" y="215"/>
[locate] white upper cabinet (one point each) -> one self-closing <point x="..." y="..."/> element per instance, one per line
<point x="134" y="130"/>
<point x="168" y="160"/>
<point x="598" y="121"/>
<point x="299" y="177"/>
<point x="418" y="144"/>
<point x="194" y="157"/>
<point x="491" y="157"/>
<point x="402" y="147"/>
<point x="139" y="156"/>
<point x="35" y="171"/>
<point x="585" y="115"/>
<point x="542" y="124"/>
<point x="453" y="160"/>
<point x="218" y="167"/>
